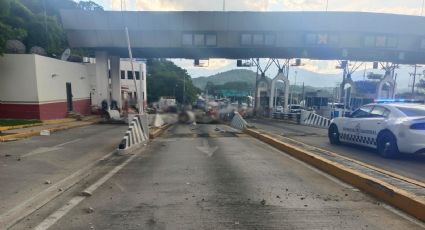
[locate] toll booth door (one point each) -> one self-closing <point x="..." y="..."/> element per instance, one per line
<point x="69" y="96"/>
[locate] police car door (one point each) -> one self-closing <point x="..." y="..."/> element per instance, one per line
<point x="353" y="125"/>
<point x="371" y="126"/>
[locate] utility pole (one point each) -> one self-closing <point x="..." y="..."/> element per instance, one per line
<point x="224" y="5"/>
<point x="414" y="74"/>
<point x="422" y="8"/>
<point x="327" y="3"/>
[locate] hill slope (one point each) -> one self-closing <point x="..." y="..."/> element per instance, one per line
<point x="236" y="75"/>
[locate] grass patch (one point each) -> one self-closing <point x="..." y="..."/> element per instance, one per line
<point x="13" y="122"/>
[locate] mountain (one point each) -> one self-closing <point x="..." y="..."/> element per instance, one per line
<point x="313" y="79"/>
<point x="235" y="75"/>
<point x="246" y="75"/>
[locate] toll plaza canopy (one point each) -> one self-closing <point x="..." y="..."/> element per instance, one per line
<point x="242" y="35"/>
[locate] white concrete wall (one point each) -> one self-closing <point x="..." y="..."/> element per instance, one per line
<point x="53" y="74"/>
<point x="138" y="66"/>
<point x="17" y="78"/>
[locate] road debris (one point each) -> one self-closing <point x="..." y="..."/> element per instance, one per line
<point x="85" y="193"/>
<point x="89" y="210"/>
<point x="45" y="132"/>
<point x="47" y="182"/>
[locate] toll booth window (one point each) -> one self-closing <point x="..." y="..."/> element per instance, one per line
<point x="310" y="39"/>
<point x="381" y="41"/>
<point x="199" y="40"/>
<point x="392" y="42"/>
<point x="122" y="74"/>
<point x="137" y="75"/>
<point x="129" y="75"/>
<point x="246" y="39"/>
<point x="369" y="41"/>
<point x="270" y="40"/>
<point x="258" y="39"/>
<point x="211" y="40"/>
<point x="187" y="40"/>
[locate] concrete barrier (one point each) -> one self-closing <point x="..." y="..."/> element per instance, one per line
<point x="155" y="120"/>
<point x="311" y="119"/>
<point x="137" y="134"/>
<point x="238" y="122"/>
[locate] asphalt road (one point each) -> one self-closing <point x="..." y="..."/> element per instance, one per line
<point x="26" y="164"/>
<point x="407" y="165"/>
<point x="209" y="178"/>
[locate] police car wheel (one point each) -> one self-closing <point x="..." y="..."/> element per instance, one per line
<point x="333" y="135"/>
<point x="387" y="145"/>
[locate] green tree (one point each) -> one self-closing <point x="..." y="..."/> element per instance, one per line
<point x="166" y="79"/>
<point x="37" y="22"/>
<point x="421" y="84"/>
<point x="89" y="6"/>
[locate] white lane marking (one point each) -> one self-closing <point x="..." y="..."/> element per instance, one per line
<point x="58" y="214"/>
<point x="69" y="142"/>
<point x="206" y="148"/>
<point x="49" y="149"/>
<point x="22" y="210"/>
<point x="41" y="150"/>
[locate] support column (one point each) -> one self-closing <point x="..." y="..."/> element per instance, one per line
<point x="272" y="91"/>
<point x="116" y="80"/>
<point x="143" y="91"/>
<point x="102" y="83"/>
<point x="286" y="95"/>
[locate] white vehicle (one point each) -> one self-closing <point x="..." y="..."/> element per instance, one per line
<point x="295" y="108"/>
<point x="390" y="128"/>
<point x="279" y="109"/>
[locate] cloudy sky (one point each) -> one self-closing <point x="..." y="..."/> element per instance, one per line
<point x="411" y="7"/>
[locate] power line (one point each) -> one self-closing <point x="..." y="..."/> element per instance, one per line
<point x="422" y="8"/>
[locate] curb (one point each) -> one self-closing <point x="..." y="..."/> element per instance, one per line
<point x="27" y="207"/>
<point x="13" y="137"/>
<point x="47" y="122"/>
<point x="157" y="132"/>
<point x="379" y="189"/>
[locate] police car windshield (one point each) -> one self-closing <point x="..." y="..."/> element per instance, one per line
<point x="413" y="112"/>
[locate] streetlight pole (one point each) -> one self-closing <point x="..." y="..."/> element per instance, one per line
<point x="295" y="83"/>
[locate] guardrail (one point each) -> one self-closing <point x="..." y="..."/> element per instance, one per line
<point x="312" y="119"/>
<point x="287" y="116"/>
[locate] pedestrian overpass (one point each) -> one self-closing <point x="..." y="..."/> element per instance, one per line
<point x="355" y="36"/>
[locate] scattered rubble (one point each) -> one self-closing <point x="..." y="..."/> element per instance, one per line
<point x="86" y="193"/>
<point x="45" y="132"/>
<point x="89" y="210"/>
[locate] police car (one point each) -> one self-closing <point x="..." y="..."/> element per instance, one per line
<point x="391" y="128"/>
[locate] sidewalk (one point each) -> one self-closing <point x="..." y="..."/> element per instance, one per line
<point x="24" y="131"/>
